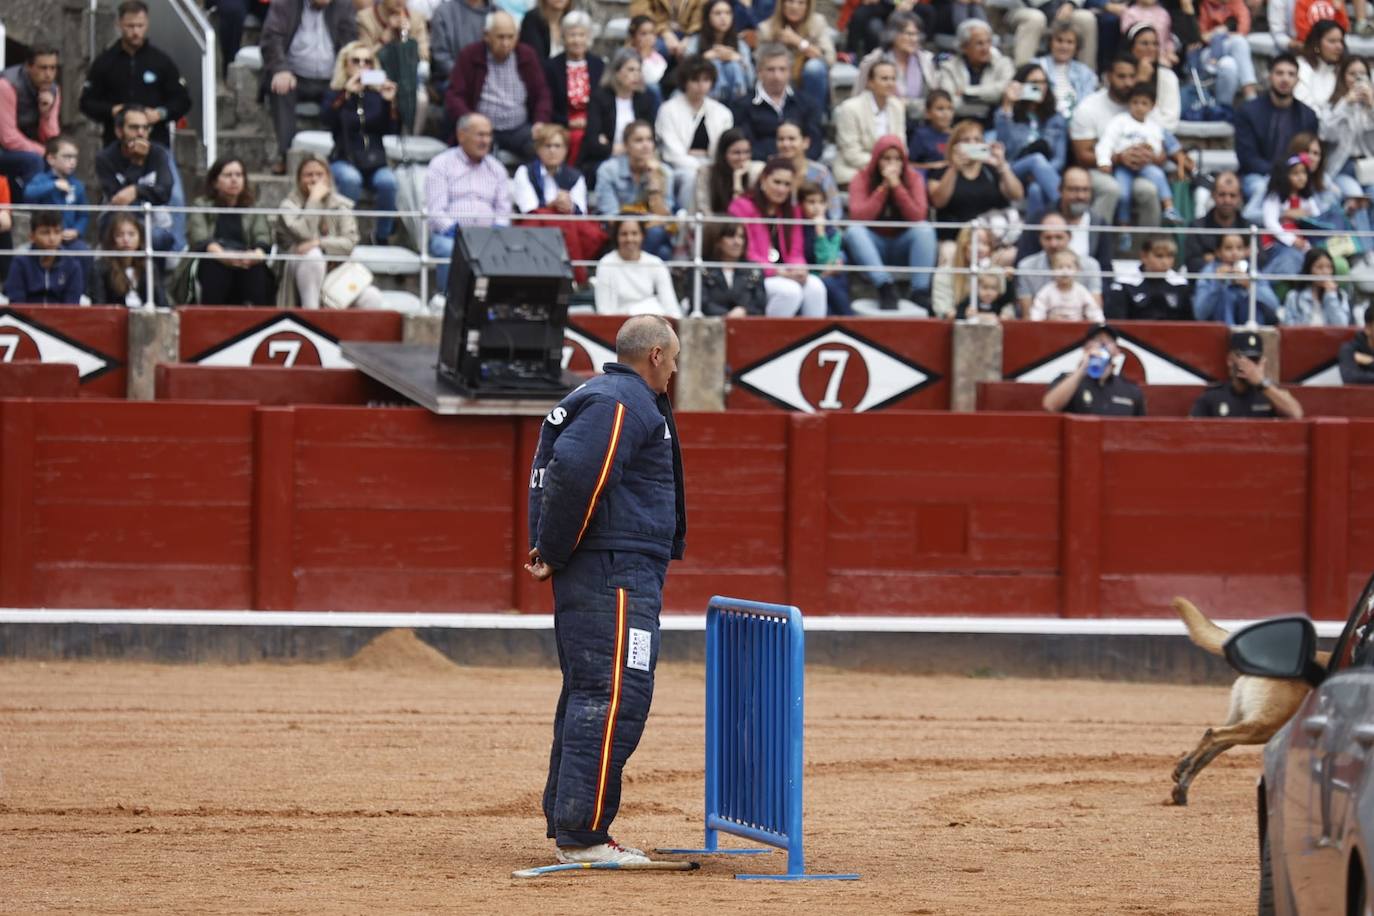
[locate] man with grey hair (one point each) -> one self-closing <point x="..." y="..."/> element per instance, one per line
<point x="773" y="102"/>
<point x="607" y="513"/>
<point x="976" y="77"/>
<point x="504" y="81"/>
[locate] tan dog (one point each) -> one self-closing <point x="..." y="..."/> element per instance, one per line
<point x="1259" y="705"/>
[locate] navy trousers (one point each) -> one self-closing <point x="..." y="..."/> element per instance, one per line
<point x="606" y="610"/>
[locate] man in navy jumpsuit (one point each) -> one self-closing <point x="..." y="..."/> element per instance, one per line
<point x="606" y="515"/>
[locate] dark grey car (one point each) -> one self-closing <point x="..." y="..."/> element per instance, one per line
<point x="1316" y="797"/>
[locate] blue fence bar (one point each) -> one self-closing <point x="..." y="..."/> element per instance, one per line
<point x="755" y="752"/>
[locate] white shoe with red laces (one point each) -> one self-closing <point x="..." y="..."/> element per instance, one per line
<point x="610" y="851"/>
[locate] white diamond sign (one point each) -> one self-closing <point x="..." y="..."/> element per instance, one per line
<point x="835" y="370"/>
<point x="18" y="335"/>
<point x="285" y="341"/>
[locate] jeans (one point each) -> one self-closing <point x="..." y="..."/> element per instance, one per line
<point x="1279" y="258"/>
<point x="658" y="241"/>
<point x="177" y="199"/>
<point x="730" y="82"/>
<point x="19" y="167"/>
<point x="837" y="294"/>
<point x="1254" y="186"/>
<point x="913" y="247"/>
<point x="350" y="183"/>
<point x="1041" y="180"/>
<point x="1235" y="67"/>
<point x="441" y="247"/>
<point x="815" y="83"/>
<point x="1125" y="180"/>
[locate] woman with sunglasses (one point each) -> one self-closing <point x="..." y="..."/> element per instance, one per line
<point x="359" y="111"/>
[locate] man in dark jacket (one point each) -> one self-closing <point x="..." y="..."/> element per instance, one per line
<point x="133" y="170"/>
<point x="1266" y="124"/>
<point x="606" y="515"/>
<point x="300" y="41"/>
<point x="1199" y="250"/>
<point x="773" y="102"/>
<point x="132" y="71"/>
<point x="1357" y="354"/>
<point x="503" y="81"/>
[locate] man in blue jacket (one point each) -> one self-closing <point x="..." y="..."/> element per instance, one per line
<point x="607" y="513"/>
<point x="1266" y="124"/>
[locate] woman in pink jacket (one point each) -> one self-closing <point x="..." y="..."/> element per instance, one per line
<point x="779" y="248"/>
<point x="889" y="189"/>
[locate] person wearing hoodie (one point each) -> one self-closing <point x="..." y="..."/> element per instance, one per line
<point x="889" y="189"/>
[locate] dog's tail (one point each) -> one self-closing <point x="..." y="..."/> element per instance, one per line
<point x="1204" y="634"/>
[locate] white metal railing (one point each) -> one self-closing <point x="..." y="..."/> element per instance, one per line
<point x="181" y="29"/>
<point x="694" y="225"/>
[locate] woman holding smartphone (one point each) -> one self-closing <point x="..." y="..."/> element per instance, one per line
<point x="359" y="111"/>
<point x="1035" y="135"/>
<point x="978" y="179"/>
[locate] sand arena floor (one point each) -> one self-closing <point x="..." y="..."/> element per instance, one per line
<point x="401" y="783"/>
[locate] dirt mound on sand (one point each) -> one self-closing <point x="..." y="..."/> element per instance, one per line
<point x="400" y="651"/>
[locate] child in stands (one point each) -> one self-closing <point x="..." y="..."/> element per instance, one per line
<point x="45" y="276"/>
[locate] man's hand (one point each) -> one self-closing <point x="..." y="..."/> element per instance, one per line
<point x="69" y="235"/>
<point x="537" y="567"/>
<point x="45" y="101"/>
<point x="1137" y="157"/>
<point x="124" y="196"/>
<point x="1250" y="370"/>
<point x="154" y="116"/>
<point x="1364" y="359"/>
<point x="139" y="146"/>
<point x="283" y="81"/>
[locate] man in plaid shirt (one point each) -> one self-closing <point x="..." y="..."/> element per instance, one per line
<point x="464" y="186"/>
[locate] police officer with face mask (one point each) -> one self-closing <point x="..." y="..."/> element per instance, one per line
<point x="1094" y="388"/>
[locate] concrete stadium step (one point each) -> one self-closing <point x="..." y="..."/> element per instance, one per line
<point x="270" y="190"/>
<point x="253" y="146"/>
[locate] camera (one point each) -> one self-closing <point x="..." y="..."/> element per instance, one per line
<point x="1032" y="92"/>
<point x="978" y="152"/>
<point x="373" y="78"/>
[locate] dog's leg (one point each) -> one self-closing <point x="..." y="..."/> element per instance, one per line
<point x="1214" y="742"/>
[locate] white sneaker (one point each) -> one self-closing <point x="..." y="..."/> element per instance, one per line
<point x="610" y="851"/>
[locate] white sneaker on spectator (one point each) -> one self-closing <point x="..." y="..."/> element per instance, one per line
<point x="610" y="851"/>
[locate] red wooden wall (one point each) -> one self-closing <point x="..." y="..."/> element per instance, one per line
<point x="222" y="505"/>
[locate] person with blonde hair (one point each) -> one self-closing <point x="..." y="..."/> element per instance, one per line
<point x="797" y="26"/>
<point x="548" y="185"/>
<point x="315" y="236"/>
<point x="360" y="117"/>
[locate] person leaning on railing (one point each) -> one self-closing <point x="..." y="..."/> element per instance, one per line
<point x="315" y="236"/>
<point x="238" y="273"/>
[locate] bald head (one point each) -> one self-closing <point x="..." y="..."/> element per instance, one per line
<point x="500" y="34"/>
<point x="648" y="344"/>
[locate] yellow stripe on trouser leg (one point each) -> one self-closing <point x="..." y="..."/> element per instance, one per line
<point x="608" y="738"/>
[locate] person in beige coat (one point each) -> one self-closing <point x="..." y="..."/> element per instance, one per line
<point x="861" y="119"/>
<point x="976" y="54"/>
<point x="315" y="237"/>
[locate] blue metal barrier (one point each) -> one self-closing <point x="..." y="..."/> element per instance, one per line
<point x="755" y="684"/>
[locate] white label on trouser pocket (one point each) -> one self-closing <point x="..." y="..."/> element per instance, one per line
<point x="641" y="645"/>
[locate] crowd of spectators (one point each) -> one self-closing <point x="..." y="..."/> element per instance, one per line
<point x="1062" y="114"/>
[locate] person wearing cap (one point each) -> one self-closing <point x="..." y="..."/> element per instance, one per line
<point x="1095" y="388"/>
<point x="1247" y="394"/>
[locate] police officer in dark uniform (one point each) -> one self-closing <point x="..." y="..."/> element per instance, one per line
<point x="607" y="513"/>
<point x="1094" y="388"/>
<point x="1248" y="394"/>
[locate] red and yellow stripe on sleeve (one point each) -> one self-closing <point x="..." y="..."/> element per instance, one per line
<point x="606" y="464"/>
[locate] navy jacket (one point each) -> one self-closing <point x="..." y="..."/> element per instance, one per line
<point x="759" y="121"/>
<point x="29" y="283"/>
<point x="608" y="473"/>
<point x="1263" y="132"/>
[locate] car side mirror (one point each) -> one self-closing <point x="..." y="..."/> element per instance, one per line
<point x="1281" y="647"/>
